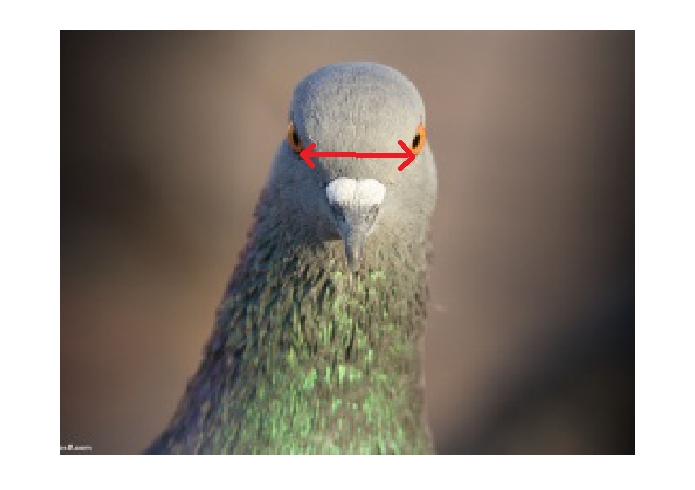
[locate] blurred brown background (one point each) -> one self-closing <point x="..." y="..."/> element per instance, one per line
<point x="166" y="141"/>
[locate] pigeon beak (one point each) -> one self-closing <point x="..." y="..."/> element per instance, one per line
<point x="354" y="248"/>
<point x="355" y="206"/>
<point x="355" y="223"/>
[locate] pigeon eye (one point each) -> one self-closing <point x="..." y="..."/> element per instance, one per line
<point x="419" y="139"/>
<point x="293" y="138"/>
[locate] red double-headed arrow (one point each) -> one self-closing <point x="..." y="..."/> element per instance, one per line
<point x="307" y="154"/>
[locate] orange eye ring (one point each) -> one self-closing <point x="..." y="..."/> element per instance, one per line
<point x="419" y="139"/>
<point x="293" y="138"/>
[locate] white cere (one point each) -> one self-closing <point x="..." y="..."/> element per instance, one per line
<point x="351" y="192"/>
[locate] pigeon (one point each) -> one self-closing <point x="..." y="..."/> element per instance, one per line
<point x="317" y="342"/>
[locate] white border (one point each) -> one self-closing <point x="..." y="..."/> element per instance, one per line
<point x="31" y="267"/>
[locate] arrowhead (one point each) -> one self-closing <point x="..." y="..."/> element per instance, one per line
<point x="305" y="154"/>
<point x="409" y="153"/>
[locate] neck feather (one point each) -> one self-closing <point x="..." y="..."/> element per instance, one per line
<point x="308" y="357"/>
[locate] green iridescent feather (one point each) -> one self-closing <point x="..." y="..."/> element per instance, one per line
<point x="308" y="358"/>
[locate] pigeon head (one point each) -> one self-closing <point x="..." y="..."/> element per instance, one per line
<point x="363" y="108"/>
